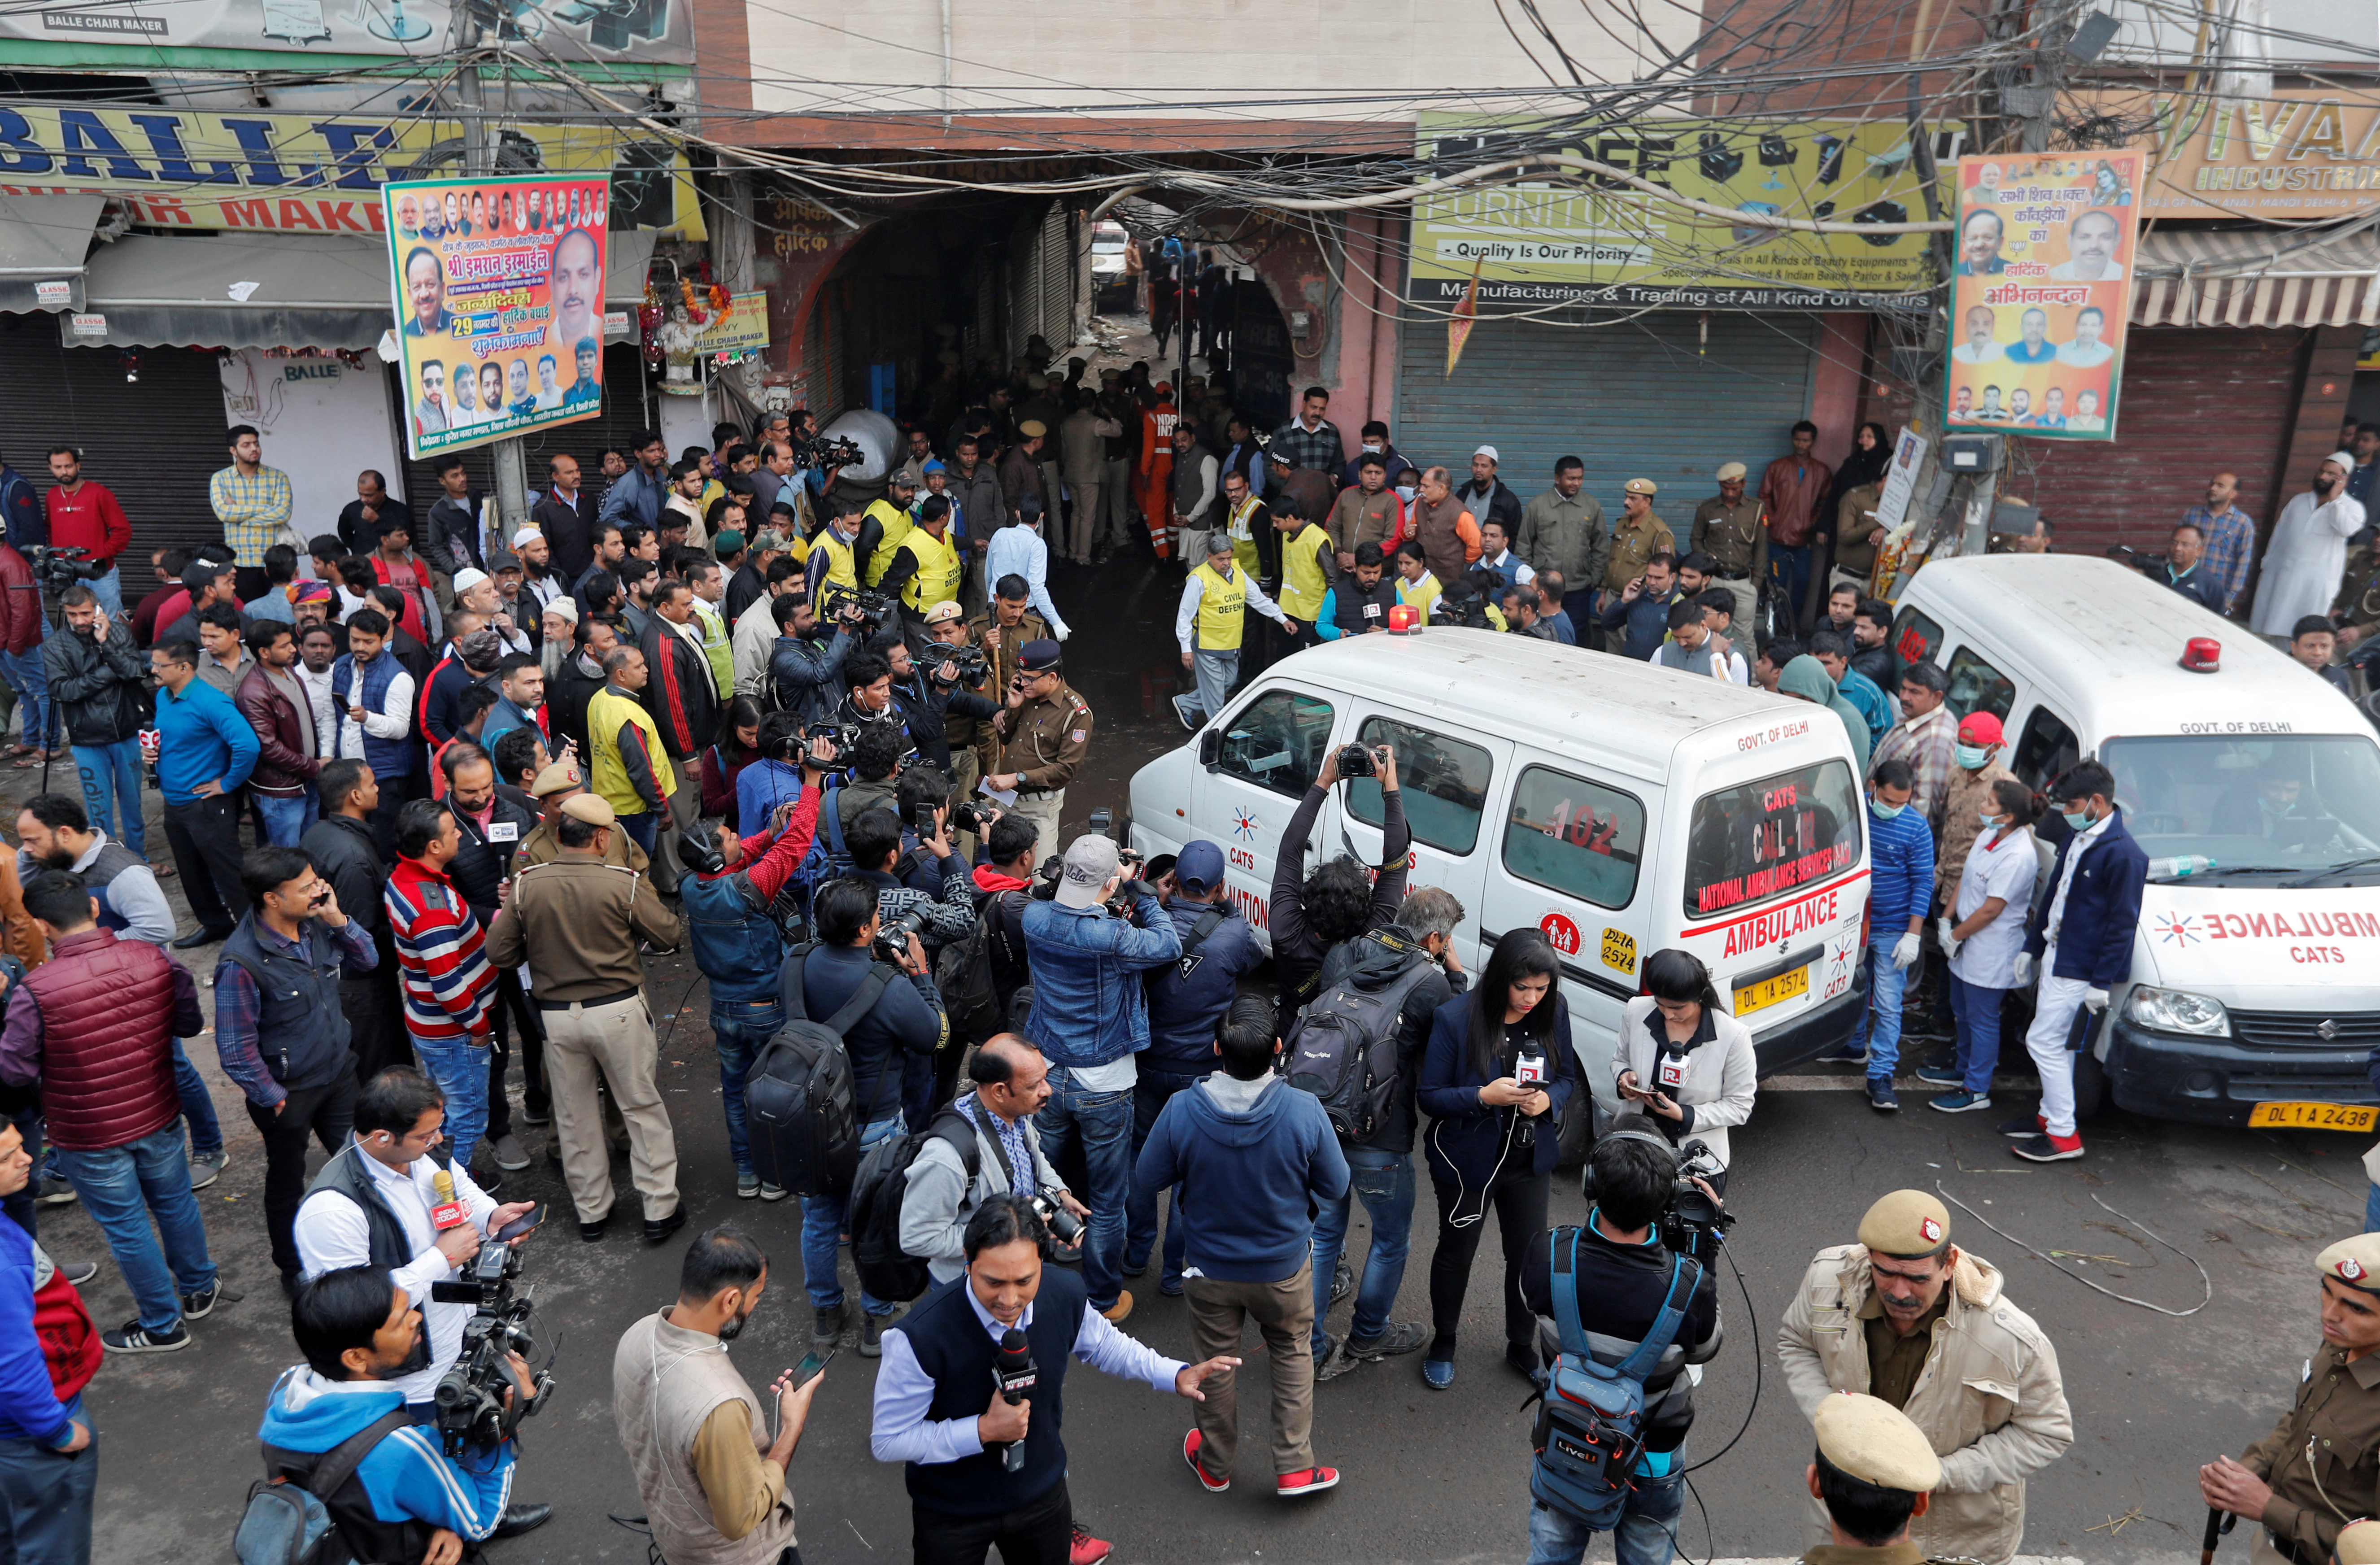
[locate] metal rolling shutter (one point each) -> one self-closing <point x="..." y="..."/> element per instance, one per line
<point x="2194" y="400"/>
<point x="1057" y="270"/>
<point x="1643" y="398"/>
<point x="154" y="443"/>
<point x="626" y="409"/>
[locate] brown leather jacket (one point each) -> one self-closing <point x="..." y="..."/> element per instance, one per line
<point x="286" y="767"/>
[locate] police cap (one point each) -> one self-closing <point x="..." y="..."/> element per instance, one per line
<point x="1872" y="1440"/>
<point x="1906" y="1223"/>
<point x="1038" y="657"/>
<point x="2355" y="1262"/>
<point x="593" y="809"/>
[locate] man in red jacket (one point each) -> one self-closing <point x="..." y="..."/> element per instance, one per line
<point x="85" y="516"/>
<point x="23" y="630"/>
<point x="94" y="1025"/>
<point x="48" y="1353"/>
<point x="280" y="708"/>
<point x="1792" y="492"/>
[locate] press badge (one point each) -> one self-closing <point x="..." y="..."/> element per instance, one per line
<point x="504" y="830"/>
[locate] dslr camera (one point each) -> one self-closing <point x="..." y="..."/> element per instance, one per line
<point x="1357" y="760"/>
<point x="891" y="944"/>
<point x="1064" y="1226"/>
<point x="470" y="1395"/>
<point x="969" y="666"/>
<point x="968" y="816"/>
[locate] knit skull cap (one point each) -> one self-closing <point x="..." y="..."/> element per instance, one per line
<point x="1872" y="1440"/>
<point x="565" y="608"/>
<point x="2355" y="1262"/>
<point x="553" y="780"/>
<point x="591" y="808"/>
<point x="522" y="535"/>
<point x="467" y="578"/>
<point x="1905" y="1223"/>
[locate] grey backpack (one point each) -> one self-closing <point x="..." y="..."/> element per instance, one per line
<point x="287" y="1524"/>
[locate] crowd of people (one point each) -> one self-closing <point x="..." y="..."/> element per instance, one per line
<point x="432" y="785"/>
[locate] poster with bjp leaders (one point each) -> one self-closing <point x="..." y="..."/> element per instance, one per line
<point x="2044" y="287"/>
<point x="499" y="299"/>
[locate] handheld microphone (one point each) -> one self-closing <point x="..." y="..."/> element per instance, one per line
<point x="1012" y="1376"/>
<point x="449" y="1212"/>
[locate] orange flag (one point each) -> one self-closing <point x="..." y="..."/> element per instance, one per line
<point x="1458" y="324"/>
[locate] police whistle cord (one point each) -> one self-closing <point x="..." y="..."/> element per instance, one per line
<point x="2204" y="1281"/>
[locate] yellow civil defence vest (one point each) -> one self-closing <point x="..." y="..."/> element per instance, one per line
<point x="1302" y="585"/>
<point x="1243" y="538"/>
<point x="897" y="526"/>
<point x="606" y="713"/>
<point x="842" y="568"/>
<point x="1222" y="610"/>
<point x="937" y="580"/>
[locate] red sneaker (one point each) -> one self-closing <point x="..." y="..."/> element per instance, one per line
<point x="1314" y="1480"/>
<point x="1086" y="1549"/>
<point x="1191" y="1443"/>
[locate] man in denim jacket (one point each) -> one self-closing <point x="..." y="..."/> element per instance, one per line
<point x="1089" y="1018"/>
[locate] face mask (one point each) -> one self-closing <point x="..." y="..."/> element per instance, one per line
<point x="1990" y="820"/>
<point x="1406" y="490"/>
<point x="2080" y="819"/>
<point x="1371" y="445"/>
<point x="1972" y="757"/>
<point x="1885" y="811"/>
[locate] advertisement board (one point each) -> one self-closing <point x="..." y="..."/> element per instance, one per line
<point x="1570" y="238"/>
<point x="2041" y="291"/>
<point x="589" y="31"/>
<point x="2291" y="156"/>
<point x="307" y="173"/>
<point x="498" y="290"/>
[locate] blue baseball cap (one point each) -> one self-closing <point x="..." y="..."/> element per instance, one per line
<point x="1200" y="868"/>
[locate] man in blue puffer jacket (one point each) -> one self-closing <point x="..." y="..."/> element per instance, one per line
<point x="1254" y="1156"/>
<point x="357" y="1328"/>
<point x="1186" y="1004"/>
<point x="1089" y="1018"/>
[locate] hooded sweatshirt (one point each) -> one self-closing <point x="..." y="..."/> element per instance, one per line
<point x="407" y="1475"/>
<point x="1805" y="676"/>
<point x="1253" y="1159"/>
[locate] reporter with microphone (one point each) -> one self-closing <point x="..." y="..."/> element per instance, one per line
<point x="394" y="1198"/>
<point x="970" y="1391"/>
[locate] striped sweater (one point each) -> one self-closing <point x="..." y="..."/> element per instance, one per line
<point x="443" y="971"/>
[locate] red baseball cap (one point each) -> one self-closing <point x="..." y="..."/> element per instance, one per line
<point x="1980" y="728"/>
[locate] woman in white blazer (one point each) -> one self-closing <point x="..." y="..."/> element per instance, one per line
<point x="1683" y="1058"/>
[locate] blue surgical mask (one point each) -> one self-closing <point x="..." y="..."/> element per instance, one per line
<point x="2080" y="819"/>
<point x="1972" y="757"/>
<point x="1885" y="811"/>
<point x="1989" y="820"/>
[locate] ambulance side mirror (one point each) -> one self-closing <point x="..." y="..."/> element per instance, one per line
<point x="1210" y="750"/>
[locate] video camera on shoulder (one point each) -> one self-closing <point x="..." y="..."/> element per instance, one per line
<point x="821" y="451"/>
<point x="863" y="606"/>
<point x="59" y="567"/>
<point x="1691" y="1224"/>
<point x="470" y="1395"/>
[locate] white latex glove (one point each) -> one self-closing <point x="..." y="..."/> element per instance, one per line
<point x="2095" y="999"/>
<point x="2023" y="968"/>
<point x="1951" y="943"/>
<point x="1063" y="634"/>
<point x="1904" y="951"/>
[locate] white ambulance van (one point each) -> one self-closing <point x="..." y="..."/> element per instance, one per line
<point x="1619" y="807"/>
<point x="2255" y="989"/>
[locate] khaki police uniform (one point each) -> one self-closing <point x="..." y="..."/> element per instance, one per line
<point x="577" y="922"/>
<point x="1733" y="536"/>
<point x="2322" y="1458"/>
<point x="1004" y="669"/>
<point x="1048" y="738"/>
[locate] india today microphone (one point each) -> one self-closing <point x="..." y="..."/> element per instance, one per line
<point x="449" y="1212"/>
<point x="1011" y="1377"/>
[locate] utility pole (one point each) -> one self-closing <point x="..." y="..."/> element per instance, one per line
<point x="510" y="457"/>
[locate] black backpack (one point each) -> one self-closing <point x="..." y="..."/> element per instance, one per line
<point x="289" y="1523"/>
<point x="800" y="1100"/>
<point x="963" y="973"/>
<point x="873" y="1211"/>
<point x="1343" y="1050"/>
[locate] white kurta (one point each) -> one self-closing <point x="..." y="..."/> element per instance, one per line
<point x="2305" y="561"/>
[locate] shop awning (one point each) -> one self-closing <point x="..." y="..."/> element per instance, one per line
<point x="2258" y="277"/>
<point x="235" y="290"/>
<point x="42" y="241"/>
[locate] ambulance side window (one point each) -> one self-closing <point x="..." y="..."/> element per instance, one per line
<point x="1443" y="779"/>
<point x="1915" y="638"/>
<point x="2046" y="749"/>
<point x="1277" y="742"/>
<point x="1579" y="838"/>
<point x="1976" y="686"/>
